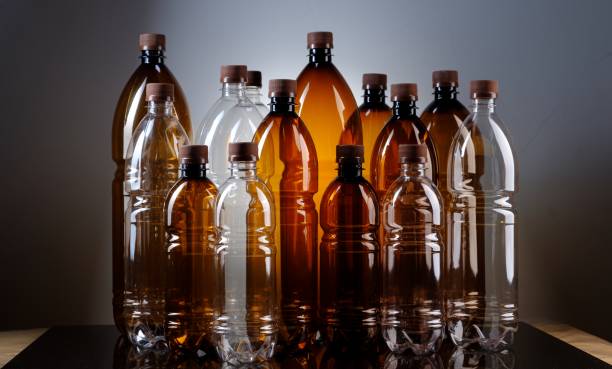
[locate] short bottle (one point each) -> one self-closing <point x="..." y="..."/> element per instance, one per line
<point x="412" y="217"/>
<point x="253" y="91"/>
<point x="482" y="308"/>
<point x="151" y="168"/>
<point x="374" y="112"/>
<point x="349" y="256"/>
<point x="190" y="273"/>
<point x="288" y="165"/>
<point x="233" y="118"/>
<point x="246" y="324"/>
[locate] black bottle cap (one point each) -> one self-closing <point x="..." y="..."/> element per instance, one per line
<point x="242" y="151"/>
<point x="253" y="78"/>
<point x="349" y="152"/>
<point x="193" y="154"/>
<point x="404" y="92"/>
<point x="371" y="81"/>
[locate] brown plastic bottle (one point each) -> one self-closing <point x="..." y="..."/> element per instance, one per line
<point x="131" y="108"/>
<point x="288" y="165"/>
<point x="349" y="256"/>
<point x="190" y="279"/>
<point x="374" y="113"/>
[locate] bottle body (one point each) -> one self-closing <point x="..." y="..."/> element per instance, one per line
<point x="374" y="114"/>
<point x="481" y="271"/>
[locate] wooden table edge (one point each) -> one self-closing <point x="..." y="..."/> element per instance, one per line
<point x="13" y="342"/>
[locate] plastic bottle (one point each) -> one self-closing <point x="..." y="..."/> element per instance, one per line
<point x="253" y="91"/>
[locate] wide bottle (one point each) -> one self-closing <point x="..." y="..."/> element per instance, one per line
<point x="253" y="91"/>
<point x="482" y="292"/>
<point x="247" y="323"/>
<point x="131" y="108"/>
<point x="288" y="165"/>
<point x="151" y="170"/>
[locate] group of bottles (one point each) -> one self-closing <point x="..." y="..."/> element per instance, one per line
<point x="229" y="246"/>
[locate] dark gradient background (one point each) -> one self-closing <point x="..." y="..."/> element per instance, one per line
<point x="63" y="64"/>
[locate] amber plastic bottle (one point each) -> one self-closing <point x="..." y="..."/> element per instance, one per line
<point x="374" y="113"/>
<point x="190" y="279"/>
<point x="349" y="255"/>
<point x="288" y="165"/>
<point x="131" y="108"/>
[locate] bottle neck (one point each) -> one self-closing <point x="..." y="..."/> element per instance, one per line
<point x="154" y="57"/>
<point x="160" y="107"/>
<point x="404" y="108"/>
<point x="412" y="169"/>
<point x="253" y="92"/>
<point x="192" y="171"/>
<point x="483" y="105"/>
<point x="243" y="169"/>
<point x="233" y="89"/>
<point x="445" y="92"/>
<point x="374" y="96"/>
<point x="350" y="168"/>
<point x="282" y="104"/>
<point x="320" y="55"/>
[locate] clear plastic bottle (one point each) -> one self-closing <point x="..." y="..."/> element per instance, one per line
<point x="482" y="272"/>
<point x="151" y="168"/>
<point x="233" y="118"/>
<point x="253" y="91"/>
<point x="412" y="217"/>
<point x="246" y="326"/>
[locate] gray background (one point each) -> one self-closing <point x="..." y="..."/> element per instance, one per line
<point x="63" y="64"/>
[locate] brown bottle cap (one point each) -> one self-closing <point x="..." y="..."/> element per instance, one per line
<point x="484" y="88"/>
<point x="282" y="87"/>
<point x="242" y="151"/>
<point x="320" y="40"/>
<point x="159" y="92"/>
<point x="445" y="78"/>
<point x="370" y="81"/>
<point x="404" y="92"/>
<point x="233" y="73"/>
<point x="152" y="41"/>
<point x="349" y="151"/>
<point x="253" y="78"/>
<point x="412" y="153"/>
<point x="193" y="154"/>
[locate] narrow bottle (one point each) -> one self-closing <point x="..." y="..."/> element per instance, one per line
<point x="151" y="168"/>
<point x="482" y="296"/>
<point x="253" y="91"/>
<point x="130" y="110"/>
<point x="190" y="278"/>
<point x="412" y="217"/>
<point x="233" y="118"/>
<point x="374" y="112"/>
<point x="288" y="165"/>
<point x="247" y="322"/>
<point x="349" y="255"/>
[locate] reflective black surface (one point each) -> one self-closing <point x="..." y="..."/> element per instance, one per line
<point x="100" y="347"/>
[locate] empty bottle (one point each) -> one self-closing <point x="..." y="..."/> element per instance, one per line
<point x="482" y="272"/>
<point x="190" y="288"/>
<point x="130" y="110"/>
<point x="233" y="118"/>
<point x="288" y="165"/>
<point x="246" y="326"/>
<point x="374" y="112"/>
<point x="412" y="217"/>
<point x="253" y="91"/>
<point x="151" y="168"/>
<point x="349" y="255"/>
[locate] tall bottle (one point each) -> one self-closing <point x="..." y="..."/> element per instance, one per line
<point x="247" y="322"/>
<point x="131" y="108"/>
<point x="327" y="106"/>
<point x="232" y="118"/>
<point x="412" y="258"/>
<point x="151" y="168"/>
<point x="349" y="255"/>
<point x="374" y="112"/>
<point x="253" y="91"/>
<point x="482" y="291"/>
<point x="190" y="279"/>
<point x="288" y="165"/>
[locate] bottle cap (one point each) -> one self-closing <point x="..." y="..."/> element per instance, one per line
<point x="233" y="73"/>
<point x="320" y="40"/>
<point x="445" y="78"/>
<point x="371" y="81"/>
<point x="484" y="88"/>
<point x="242" y="151"/>
<point x="159" y="92"/>
<point x="404" y="92"/>
<point x="413" y="153"/>
<point x="193" y="154"/>
<point x="253" y="78"/>
<point x="152" y="41"/>
<point x="282" y="87"/>
<point x="349" y="152"/>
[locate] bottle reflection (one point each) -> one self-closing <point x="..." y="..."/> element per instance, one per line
<point x="395" y="361"/>
<point x="464" y="359"/>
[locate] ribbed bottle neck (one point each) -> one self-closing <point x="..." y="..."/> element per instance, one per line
<point x="282" y="104"/>
<point x="243" y="169"/>
<point x="445" y="93"/>
<point x="412" y="169"/>
<point x="320" y="55"/>
<point x="350" y="168"/>
<point x="192" y="171"/>
<point x="404" y="109"/>
<point x="374" y="97"/>
<point x="154" y="57"/>
<point x="160" y="107"/>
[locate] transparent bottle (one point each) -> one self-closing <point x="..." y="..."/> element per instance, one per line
<point x="288" y="165"/>
<point x="131" y="108"/>
<point x="151" y="168"/>
<point x="253" y="91"/>
<point x="247" y="322"/>
<point x="190" y="274"/>
<point x="482" y="272"/>
<point x="349" y="256"/>
<point x="412" y="217"/>
<point x="233" y="118"/>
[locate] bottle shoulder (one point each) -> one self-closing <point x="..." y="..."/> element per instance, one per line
<point x="326" y="79"/>
<point x="356" y="190"/>
<point x="420" y="190"/>
<point x="157" y="134"/>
